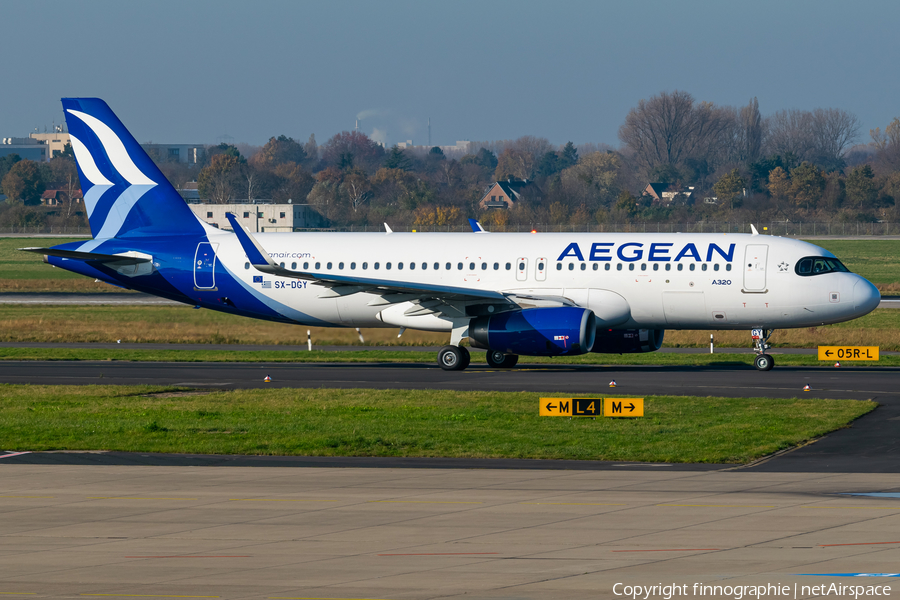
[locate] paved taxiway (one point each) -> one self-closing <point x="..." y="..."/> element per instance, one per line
<point x="275" y="533"/>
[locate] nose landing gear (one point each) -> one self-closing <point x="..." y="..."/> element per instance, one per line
<point x="763" y="361"/>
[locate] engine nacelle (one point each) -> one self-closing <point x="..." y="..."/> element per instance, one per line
<point x="627" y="341"/>
<point x="536" y="331"/>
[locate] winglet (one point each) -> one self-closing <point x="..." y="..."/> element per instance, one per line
<point x="252" y="249"/>
<point x="753" y="229"/>
<point x="476" y="226"/>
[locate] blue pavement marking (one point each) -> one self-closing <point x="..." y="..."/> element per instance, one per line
<point x="877" y="494"/>
<point x="851" y="574"/>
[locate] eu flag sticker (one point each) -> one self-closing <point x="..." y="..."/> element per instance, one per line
<point x="257" y="279"/>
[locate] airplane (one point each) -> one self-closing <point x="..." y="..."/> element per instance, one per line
<point x="511" y="294"/>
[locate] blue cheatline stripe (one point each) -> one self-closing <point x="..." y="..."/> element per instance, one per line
<point x="850" y="574"/>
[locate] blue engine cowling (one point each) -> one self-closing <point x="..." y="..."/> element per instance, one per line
<point x="536" y="331"/>
<point x="627" y="341"/>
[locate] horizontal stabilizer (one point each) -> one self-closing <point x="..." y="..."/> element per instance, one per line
<point x="122" y="259"/>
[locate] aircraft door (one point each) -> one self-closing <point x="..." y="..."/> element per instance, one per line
<point x="521" y="269"/>
<point x="755" y="267"/>
<point x="205" y="266"/>
<point x="540" y="269"/>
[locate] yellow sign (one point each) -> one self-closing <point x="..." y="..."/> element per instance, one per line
<point x="623" y="407"/>
<point x="590" y="407"/>
<point x="848" y="352"/>
<point x="571" y="407"/>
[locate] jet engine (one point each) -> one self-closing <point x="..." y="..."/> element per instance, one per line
<point x="627" y="341"/>
<point x="548" y="331"/>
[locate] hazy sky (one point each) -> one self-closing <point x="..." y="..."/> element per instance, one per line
<point x="191" y="72"/>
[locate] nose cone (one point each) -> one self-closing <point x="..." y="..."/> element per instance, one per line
<point x="865" y="297"/>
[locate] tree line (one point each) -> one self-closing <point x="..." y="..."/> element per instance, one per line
<point x="722" y="163"/>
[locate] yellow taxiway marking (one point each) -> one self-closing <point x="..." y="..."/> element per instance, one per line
<point x="572" y="503"/>
<point x="131" y="498"/>
<point x="723" y="505"/>
<point x="421" y="502"/>
<point x="276" y="500"/>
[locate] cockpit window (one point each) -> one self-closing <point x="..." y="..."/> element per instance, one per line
<point x="819" y="265"/>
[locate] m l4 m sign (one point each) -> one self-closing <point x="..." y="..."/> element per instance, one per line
<point x="591" y="407"/>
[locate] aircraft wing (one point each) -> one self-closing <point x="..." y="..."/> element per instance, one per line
<point x="392" y="291"/>
<point x="119" y="259"/>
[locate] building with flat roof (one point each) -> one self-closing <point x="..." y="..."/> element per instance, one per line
<point x="261" y="216"/>
<point x="26" y="148"/>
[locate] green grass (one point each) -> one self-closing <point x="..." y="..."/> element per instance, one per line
<point x="398" y="356"/>
<point x="364" y="422"/>
<point x="28" y="265"/>
<point x="876" y="260"/>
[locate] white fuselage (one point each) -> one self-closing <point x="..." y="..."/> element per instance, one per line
<point x="654" y="281"/>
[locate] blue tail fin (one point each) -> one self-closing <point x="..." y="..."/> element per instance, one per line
<point x="125" y="194"/>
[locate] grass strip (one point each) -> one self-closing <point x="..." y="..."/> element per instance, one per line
<point x="398" y="356"/>
<point x="430" y="423"/>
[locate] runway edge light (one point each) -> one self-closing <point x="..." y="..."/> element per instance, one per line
<point x="612" y="383"/>
<point x="806" y="388"/>
<point x="267" y="379"/>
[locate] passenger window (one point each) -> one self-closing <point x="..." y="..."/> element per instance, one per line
<point x="596" y="266"/>
<point x="318" y="266"/>
<point x="728" y="267"/>
<point x="387" y="266"/>
<point x="559" y="266"/>
<point x="400" y="266"/>
<point x="656" y="266"/>
<point x="668" y="266"/>
<point x="618" y="266"/>
<point x="412" y="266"/>
<point x="680" y="266"/>
<point x="246" y="265"/>
<point x="484" y="266"/>
<point x="305" y="266"/>
<point x="365" y="266"/>
<point x="521" y="266"/>
<point x="571" y="266"/>
<point x="471" y="266"/>
<point x="540" y="266"/>
<point x="328" y="266"/>
<point x="447" y="266"/>
<point x="293" y="266"/>
<point x="631" y="266"/>
<point x="703" y="267"/>
<point x="424" y="266"/>
<point x="353" y="266"/>
<point x="496" y="266"/>
<point x="509" y="266"/>
<point x="716" y="267"/>
<point x="693" y="266"/>
<point x="459" y="266"/>
<point x="281" y="265"/>
<point x="340" y="266"/>
<point x="643" y="266"/>
<point x="583" y="266"/>
<point x="375" y="266"/>
<point x="607" y="267"/>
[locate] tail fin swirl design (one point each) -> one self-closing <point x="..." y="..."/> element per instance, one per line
<point x="125" y="194"/>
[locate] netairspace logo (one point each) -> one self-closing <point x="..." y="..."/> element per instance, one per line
<point x="739" y="592"/>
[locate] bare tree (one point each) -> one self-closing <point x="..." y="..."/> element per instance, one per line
<point x="790" y="132"/>
<point x="833" y="131"/>
<point x="670" y="128"/>
<point x="749" y="133"/>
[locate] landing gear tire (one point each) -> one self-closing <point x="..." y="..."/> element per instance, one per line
<point x="764" y="362"/>
<point x="498" y="360"/>
<point x="453" y="358"/>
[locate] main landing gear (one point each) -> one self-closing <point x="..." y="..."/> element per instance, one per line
<point x="453" y="358"/>
<point x="456" y="358"/>
<point x="763" y="361"/>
